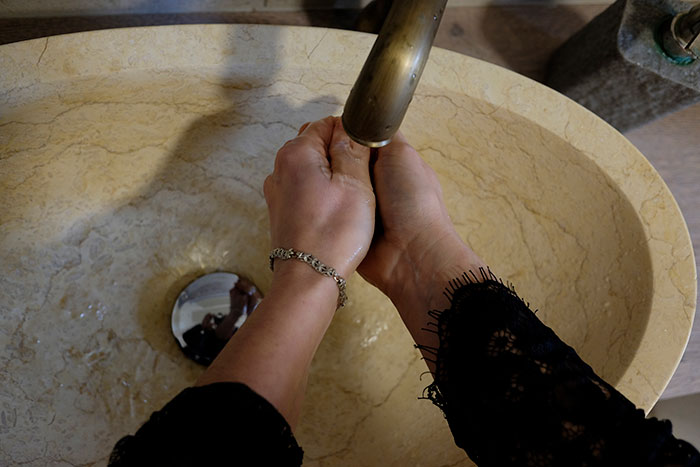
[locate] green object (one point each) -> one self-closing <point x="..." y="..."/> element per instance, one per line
<point x="661" y="38"/>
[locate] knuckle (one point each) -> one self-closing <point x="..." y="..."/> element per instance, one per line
<point x="287" y="147"/>
<point x="341" y="148"/>
<point x="350" y="151"/>
<point x="285" y="156"/>
<point x="303" y="127"/>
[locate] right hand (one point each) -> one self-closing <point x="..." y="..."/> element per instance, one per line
<point x="320" y="198"/>
<point x="416" y="247"/>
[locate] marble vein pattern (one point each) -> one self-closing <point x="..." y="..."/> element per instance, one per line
<point x="132" y="161"/>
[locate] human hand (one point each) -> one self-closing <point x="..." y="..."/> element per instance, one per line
<point x="320" y="201"/>
<point x="416" y="249"/>
<point x="320" y="197"/>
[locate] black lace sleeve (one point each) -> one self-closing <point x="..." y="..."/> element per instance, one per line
<point x="515" y="395"/>
<point x="218" y="424"/>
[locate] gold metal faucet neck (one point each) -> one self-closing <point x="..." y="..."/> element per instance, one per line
<point x="380" y="97"/>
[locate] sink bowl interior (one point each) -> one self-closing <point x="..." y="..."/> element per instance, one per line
<point x="132" y="161"/>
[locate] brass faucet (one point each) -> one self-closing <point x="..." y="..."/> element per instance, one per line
<point x="380" y="97"/>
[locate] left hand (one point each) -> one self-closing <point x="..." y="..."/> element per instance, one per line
<point x="320" y="197"/>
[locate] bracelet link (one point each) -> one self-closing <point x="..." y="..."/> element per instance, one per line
<point x="290" y="253"/>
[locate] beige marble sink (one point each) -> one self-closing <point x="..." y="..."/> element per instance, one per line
<point x="132" y="161"/>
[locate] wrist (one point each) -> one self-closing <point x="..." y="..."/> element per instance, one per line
<point x="295" y="280"/>
<point x="421" y="277"/>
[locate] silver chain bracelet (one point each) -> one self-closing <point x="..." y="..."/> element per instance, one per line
<point x="315" y="263"/>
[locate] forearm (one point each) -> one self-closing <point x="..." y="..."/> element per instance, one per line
<point x="419" y="281"/>
<point x="272" y="351"/>
<point x="513" y="392"/>
<point x="535" y="397"/>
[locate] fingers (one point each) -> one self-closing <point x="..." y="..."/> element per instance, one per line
<point x="317" y="135"/>
<point x="310" y="147"/>
<point x="400" y="156"/>
<point x="321" y="142"/>
<point x="398" y="146"/>
<point x="400" y="169"/>
<point x="348" y="157"/>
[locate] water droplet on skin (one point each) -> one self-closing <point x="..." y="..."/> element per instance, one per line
<point x="82" y="315"/>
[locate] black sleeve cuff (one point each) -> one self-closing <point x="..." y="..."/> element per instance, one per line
<point x="218" y="424"/>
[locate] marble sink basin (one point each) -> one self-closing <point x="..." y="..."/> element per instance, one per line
<point x="132" y="161"/>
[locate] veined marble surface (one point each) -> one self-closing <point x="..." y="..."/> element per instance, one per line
<point x="132" y="161"/>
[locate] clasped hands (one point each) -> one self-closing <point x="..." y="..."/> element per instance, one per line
<point x="322" y="198"/>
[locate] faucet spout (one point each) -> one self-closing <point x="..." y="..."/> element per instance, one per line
<point x="380" y="97"/>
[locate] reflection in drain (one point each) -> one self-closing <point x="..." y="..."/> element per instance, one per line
<point x="209" y="311"/>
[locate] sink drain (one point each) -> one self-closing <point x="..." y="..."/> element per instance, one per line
<point x="209" y="311"/>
